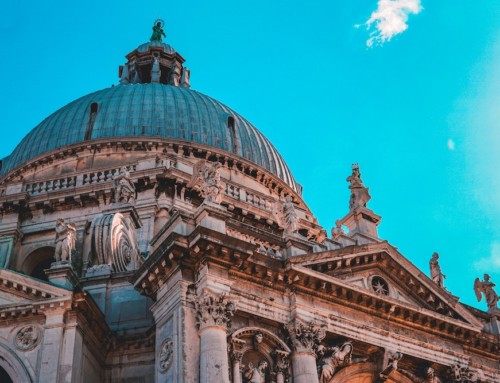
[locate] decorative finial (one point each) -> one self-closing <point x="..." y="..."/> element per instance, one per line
<point x="158" y="31"/>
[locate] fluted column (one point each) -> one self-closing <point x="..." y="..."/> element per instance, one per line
<point x="305" y="338"/>
<point x="214" y="319"/>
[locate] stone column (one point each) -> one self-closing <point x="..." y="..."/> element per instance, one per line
<point x="305" y="338"/>
<point x="51" y="347"/>
<point x="281" y="365"/>
<point x="236" y="357"/>
<point x="214" y="319"/>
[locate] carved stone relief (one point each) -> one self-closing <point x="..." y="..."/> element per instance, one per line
<point x="114" y="242"/>
<point x="27" y="338"/>
<point x="166" y="355"/>
<point x="206" y="179"/>
<point x="463" y="374"/>
<point x="214" y="310"/>
<point x="331" y="359"/>
<point x="305" y="337"/>
<point x="124" y="188"/>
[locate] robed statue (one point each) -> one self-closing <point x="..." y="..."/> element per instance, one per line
<point x="158" y="32"/>
<point x="124" y="187"/>
<point x="65" y="240"/>
<point x="436" y="275"/>
<point x="256" y="374"/>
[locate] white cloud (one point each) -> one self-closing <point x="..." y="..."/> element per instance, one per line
<point x="490" y="263"/>
<point x="451" y="144"/>
<point x="390" y="19"/>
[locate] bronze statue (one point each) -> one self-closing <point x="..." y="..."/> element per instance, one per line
<point x="158" y="31"/>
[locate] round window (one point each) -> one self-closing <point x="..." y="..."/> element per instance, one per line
<point x="379" y="285"/>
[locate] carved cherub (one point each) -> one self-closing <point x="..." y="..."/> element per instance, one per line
<point x="486" y="287"/>
<point x="65" y="240"/>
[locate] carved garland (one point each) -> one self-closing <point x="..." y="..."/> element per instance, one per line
<point x="166" y="355"/>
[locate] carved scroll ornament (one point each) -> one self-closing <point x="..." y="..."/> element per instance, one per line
<point x="114" y="242"/>
<point x="166" y="355"/>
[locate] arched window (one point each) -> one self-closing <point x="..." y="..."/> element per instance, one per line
<point x="4" y="377"/>
<point x="91" y="122"/>
<point x="38" y="261"/>
<point x="232" y="128"/>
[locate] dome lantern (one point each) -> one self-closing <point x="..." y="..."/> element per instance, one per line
<point x="155" y="62"/>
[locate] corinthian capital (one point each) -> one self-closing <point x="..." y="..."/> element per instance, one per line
<point x="214" y="310"/>
<point x="305" y="337"/>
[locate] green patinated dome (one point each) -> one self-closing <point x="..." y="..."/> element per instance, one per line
<point x="150" y="110"/>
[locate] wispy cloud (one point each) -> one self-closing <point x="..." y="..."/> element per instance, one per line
<point x="390" y="19"/>
<point x="490" y="263"/>
<point x="451" y="144"/>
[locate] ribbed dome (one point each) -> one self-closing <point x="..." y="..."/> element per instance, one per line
<point x="151" y="110"/>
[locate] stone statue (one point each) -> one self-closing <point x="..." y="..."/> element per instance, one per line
<point x="436" y="275"/>
<point x="463" y="374"/>
<point x="65" y="240"/>
<point x="289" y="215"/>
<point x="430" y="376"/>
<point x="337" y="231"/>
<point x="256" y="374"/>
<point x="392" y="365"/>
<point x="206" y="179"/>
<point x="158" y="32"/>
<point x="486" y="287"/>
<point x="359" y="193"/>
<point x="124" y="187"/>
<point x="330" y="359"/>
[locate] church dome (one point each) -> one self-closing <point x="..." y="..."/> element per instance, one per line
<point x="152" y="110"/>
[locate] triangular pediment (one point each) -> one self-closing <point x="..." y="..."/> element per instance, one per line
<point x="379" y="268"/>
<point x="18" y="289"/>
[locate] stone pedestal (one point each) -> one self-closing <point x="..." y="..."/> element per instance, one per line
<point x="304" y="367"/>
<point x="214" y="363"/>
<point x="61" y="274"/>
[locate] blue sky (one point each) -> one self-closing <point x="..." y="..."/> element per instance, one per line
<point x="418" y="110"/>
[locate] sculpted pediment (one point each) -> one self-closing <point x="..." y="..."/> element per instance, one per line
<point x="18" y="289"/>
<point x="379" y="268"/>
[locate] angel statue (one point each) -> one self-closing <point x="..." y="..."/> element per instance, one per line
<point x="124" y="187"/>
<point x="486" y="287"/>
<point x="65" y="240"/>
<point x="256" y="374"/>
<point x="158" y="32"/>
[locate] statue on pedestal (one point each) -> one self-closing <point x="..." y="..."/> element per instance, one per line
<point x="158" y="32"/>
<point x="65" y="240"/>
<point x="289" y="215"/>
<point x="486" y="287"/>
<point x="436" y="275"/>
<point x="359" y="193"/>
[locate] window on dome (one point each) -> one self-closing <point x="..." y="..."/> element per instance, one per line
<point x="231" y="127"/>
<point x="90" y="124"/>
